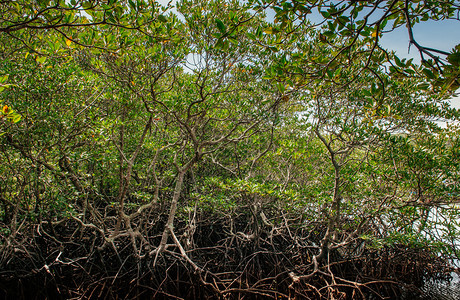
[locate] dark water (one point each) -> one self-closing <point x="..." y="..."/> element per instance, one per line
<point x="442" y="291"/>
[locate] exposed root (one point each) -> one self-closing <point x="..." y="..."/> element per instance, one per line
<point x="279" y="265"/>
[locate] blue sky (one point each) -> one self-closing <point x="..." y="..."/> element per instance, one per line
<point x="442" y="35"/>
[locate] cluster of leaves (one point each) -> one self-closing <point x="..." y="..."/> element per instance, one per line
<point x="343" y="24"/>
<point x="7" y="112"/>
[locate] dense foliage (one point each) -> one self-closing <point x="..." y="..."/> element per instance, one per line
<point x="206" y="151"/>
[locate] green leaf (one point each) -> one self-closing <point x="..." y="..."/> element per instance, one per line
<point x="86" y="5"/>
<point x="41" y="59"/>
<point x="251" y="36"/>
<point x="16" y="118"/>
<point x="329" y="34"/>
<point x="220" y="25"/>
<point x="423" y="86"/>
<point x="399" y="63"/>
<point x="429" y="73"/>
<point x="281" y="87"/>
<point x="344" y="19"/>
<point x="269" y="30"/>
<point x="219" y="44"/>
<point x="454" y="58"/>
<point x="132" y="4"/>
<point x="325" y="14"/>
<point x="162" y="18"/>
<point x="4" y="78"/>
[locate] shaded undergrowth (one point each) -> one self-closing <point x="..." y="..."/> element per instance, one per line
<point x="236" y="260"/>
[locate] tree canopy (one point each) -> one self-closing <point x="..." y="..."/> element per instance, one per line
<point x="209" y="151"/>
